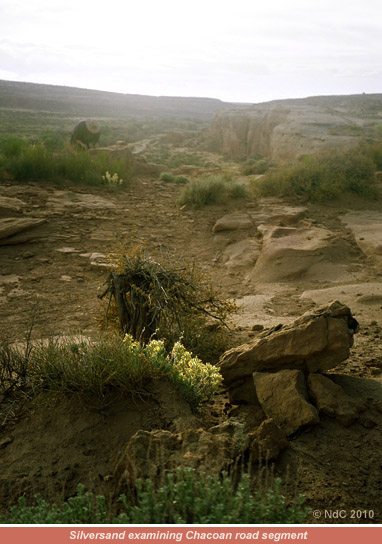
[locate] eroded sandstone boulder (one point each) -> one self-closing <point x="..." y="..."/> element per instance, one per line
<point x="284" y="398"/>
<point x="150" y="454"/>
<point x="233" y="221"/>
<point x="303" y="251"/>
<point x="10" y="206"/>
<point x="241" y="254"/>
<point x="317" y="341"/>
<point x="14" y="229"/>
<point x="332" y="400"/>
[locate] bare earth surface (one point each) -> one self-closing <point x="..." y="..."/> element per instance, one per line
<point x="276" y="258"/>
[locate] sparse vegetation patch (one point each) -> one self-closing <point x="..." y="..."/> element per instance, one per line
<point x="92" y="369"/>
<point x="26" y="162"/>
<point x="255" y="166"/>
<point x="325" y="175"/>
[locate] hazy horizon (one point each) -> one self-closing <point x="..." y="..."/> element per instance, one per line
<point x="236" y="52"/>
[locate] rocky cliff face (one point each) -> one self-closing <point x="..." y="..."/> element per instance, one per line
<point x="286" y="129"/>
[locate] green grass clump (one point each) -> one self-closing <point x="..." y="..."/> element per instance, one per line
<point x="111" y="364"/>
<point x="187" y="497"/>
<point x="26" y="162"/>
<point x="168" y="177"/>
<point x="323" y="176"/>
<point x="211" y="189"/>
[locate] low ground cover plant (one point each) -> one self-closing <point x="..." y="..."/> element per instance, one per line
<point x="325" y="175"/>
<point x="186" y="497"/>
<point x="211" y="189"/>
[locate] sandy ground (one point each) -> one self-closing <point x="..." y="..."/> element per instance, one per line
<point x="57" y="275"/>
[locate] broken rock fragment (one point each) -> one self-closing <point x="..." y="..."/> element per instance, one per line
<point x="332" y="400"/>
<point x="268" y="441"/>
<point x="284" y="398"/>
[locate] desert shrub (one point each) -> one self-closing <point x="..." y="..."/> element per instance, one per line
<point x="181" y="180"/>
<point x="186" y="497"/>
<point x="212" y="189"/>
<point x="255" y="166"/>
<point x="166" y="299"/>
<point x="322" y="176"/>
<point x="26" y="162"/>
<point x="167" y="176"/>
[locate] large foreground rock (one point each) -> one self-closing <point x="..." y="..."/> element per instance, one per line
<point x="284" y="398"/>
<point x="315" y="342"/>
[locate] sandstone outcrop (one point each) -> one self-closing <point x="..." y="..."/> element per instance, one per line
<point x="15" y="230"/>
<point x="294" y="252"/>
<point x="316" y="341"/>
<point x="269" y="372"/>
<point x="151" y="453"/>
<point x="241" y="254"/>
<point x="284" y="130"/>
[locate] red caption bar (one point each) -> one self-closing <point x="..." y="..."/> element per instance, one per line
<point x="191" y="534"/>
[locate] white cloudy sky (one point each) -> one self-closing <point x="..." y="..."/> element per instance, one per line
<point x="236" y="50"/>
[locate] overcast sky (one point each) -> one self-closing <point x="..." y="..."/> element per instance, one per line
<point x="237" y="50"/>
